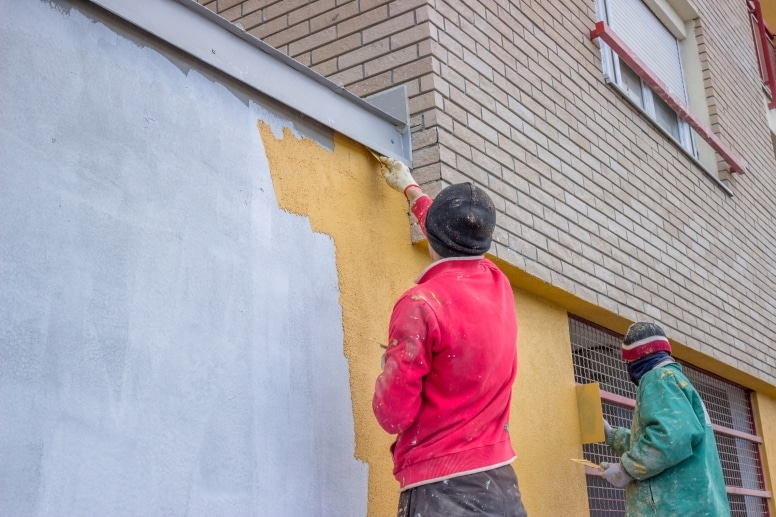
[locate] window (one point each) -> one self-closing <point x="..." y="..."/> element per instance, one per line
<point x="597" y="358"/>
<point x="654" y="44"/>
<point x="764" y="48"/>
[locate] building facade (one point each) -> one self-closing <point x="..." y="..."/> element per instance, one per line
<point x="633" y="168"/>
<point x="199" y="256"/>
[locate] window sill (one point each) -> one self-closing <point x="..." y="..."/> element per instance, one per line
<point x="720" y="183"/>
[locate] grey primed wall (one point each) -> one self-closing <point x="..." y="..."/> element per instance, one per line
<point x="163" y="350"/>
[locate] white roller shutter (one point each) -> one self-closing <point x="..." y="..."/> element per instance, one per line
<point x="643" y="32"/>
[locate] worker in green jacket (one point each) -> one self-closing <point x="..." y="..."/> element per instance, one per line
<point x="669" y="464"/>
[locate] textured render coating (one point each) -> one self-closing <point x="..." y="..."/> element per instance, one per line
<point x="765" y="422"/>
<point x="167" y="348"/>
<point x="545" y="418"/>
<point x="344" y="196"/>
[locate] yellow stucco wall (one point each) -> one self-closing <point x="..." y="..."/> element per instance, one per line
<point x="544" y="421"/>
<point x="765" y="419"/>
<point x="344" y="196"/>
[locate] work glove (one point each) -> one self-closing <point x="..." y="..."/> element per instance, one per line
<point x="397" y="175"/>
<point x="607" y="430"/>
<point x="615" y="474"/>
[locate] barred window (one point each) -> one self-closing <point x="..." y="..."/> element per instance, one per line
<point x="597" y="358"/>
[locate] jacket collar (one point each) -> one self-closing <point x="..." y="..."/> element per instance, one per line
<point x="442" y="265"/>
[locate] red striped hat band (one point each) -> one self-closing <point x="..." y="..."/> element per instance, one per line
<point x="644" y="347"/>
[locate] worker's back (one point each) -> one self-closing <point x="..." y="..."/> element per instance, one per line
<point x="457" y="332"/>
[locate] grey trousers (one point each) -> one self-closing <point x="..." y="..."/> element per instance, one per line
<point x="493" y="493"/>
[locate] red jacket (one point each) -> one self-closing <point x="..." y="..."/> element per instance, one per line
<point x="449" y="367"/>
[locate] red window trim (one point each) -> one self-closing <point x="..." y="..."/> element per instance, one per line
<point x="630" y="403"/>
<point x="603" y="31"/>
<point x="766" y="44"/>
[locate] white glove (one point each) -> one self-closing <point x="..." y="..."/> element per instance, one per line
<point x="607" y="430"/>
<point x="615" y="474"/>
<point x="397" y="175"/>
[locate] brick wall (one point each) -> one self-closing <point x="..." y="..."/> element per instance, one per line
<point x="592" y="198"/>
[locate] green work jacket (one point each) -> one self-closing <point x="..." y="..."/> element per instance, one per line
<point x="670" y="451"/>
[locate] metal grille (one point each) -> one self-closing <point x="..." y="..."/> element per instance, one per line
<point x="597" y="358"/>
<point x="747" y="506"/>
<point x="605" y="500"/>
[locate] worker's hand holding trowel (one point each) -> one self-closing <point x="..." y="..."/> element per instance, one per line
<point x="615" y="474"/>
<point x="397" y="175"/>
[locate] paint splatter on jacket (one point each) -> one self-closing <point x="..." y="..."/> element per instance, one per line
<point x="670" y="451"/>
<point x="449" y="368"/>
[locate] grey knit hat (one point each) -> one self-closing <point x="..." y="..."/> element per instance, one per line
<point x="460" y="221"/>
<point x="643" y="339"/>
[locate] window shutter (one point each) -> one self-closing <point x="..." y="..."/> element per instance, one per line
<point x="643" y="32"/>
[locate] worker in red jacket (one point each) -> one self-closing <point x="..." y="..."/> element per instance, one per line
<point x="450" y="362"/>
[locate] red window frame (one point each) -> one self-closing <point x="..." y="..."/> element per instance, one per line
<point x="765" y="50"/>
<point x="624" y="52"/>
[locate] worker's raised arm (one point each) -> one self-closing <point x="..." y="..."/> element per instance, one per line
<point x="399" y="178"/>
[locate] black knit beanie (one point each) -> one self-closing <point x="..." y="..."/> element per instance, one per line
<point x="460" y="221"/>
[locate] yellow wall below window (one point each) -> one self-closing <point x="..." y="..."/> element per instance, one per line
<point x="765" y="419"/>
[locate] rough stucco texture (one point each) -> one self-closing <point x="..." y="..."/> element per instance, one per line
<point x="166" y="348"/>
<point x="765" y="421"/>
<point x="545" y="420"/>
<point x="344" y="196"/>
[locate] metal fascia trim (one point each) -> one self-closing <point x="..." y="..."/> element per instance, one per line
<point x="199" y="32"/>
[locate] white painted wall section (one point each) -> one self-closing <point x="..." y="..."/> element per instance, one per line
<point x="171" y="340"/>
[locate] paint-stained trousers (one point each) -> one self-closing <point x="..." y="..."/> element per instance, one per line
<point x="493" y="493"/>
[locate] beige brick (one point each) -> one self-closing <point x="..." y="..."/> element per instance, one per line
<point x="276" y="32"/>
<point x="337" y="48"/>
<point x="224" y="5"/>
<point x="390" y="61"/>
<point x="374" y="84"/>
<point x="386" y="28"/>
<point x="348" y="77"/>
<point x="326" y="68"/>
<point x="231" y="14"/>
<point x="282" y="8"/>
<point x="411" y="35"/>
<point x="360" y="53"/>
<point x="330" y="18"/>
<point x="311" y="10"/>
<point x="362" y="21"/>
<point x="412" y="70"/>
<point x="425" y="101"/>
<point x="253" y="20"/>
<point x="469" y="139"/>
<point x="398" y="7"/>
<point x="312" y="41"/>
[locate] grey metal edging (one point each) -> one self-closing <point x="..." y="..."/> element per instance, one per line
<point x="199" y="32"/>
